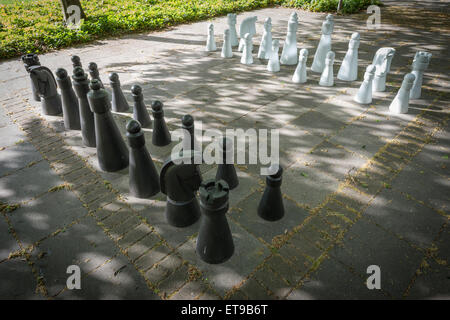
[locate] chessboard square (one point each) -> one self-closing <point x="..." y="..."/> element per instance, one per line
<point x="318" y="123"/>
<point x="17" y="157"/>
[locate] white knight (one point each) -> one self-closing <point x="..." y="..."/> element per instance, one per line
<point x="265" y="47"/>
<point x="289" y="54"/>
<point x="364" y="94"/>
<point x="419" y="65"/>
<point x="382" y="61"/>
<point x="247" y="26"/>
<point x="349" y="67"/>
<point x="400" y="104"/>
<point x="300" y="75"/>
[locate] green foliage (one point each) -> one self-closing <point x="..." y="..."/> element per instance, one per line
<point x="37" y="26"/>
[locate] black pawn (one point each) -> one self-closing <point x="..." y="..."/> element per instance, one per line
<point x="161" y="135"/>
<point x="81" y="88"/>
<point x="144" y="179"/>
<point x="76" y="61"/>
<point x="112" y="153"/>
<point x="46" y="87"/>
<point x="119" y="103"/>
<point x="93" y="72"/>
<point x="226" y="170"/>
<point x="70" y="105"/>
<point x="214" y="241"/>
<point x="187" y="123"/>
<point x="30" y="60"/>
<point x="271" y="206"/>
<point x="140" y="112"/>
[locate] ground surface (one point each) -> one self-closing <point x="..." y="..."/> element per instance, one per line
<point x="361" y="187"/>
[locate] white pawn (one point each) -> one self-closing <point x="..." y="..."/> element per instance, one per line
<point x="400" y="104"/>
<point x="324" y="46"/>
<point x="382" y="61"/>
<point x="289" y="54"/>
<point x="327" y="77"/>
<point x="265" y="47"/>
<point x="226" y="47"/>
<point x="349" y="67"/>
<point x="247" y="57"/>
<point x="419" y="65"/>
<point x="231" y="18"/>
<point x="364" y="94"/>
<point x="300" y="72"/>
<point x="247" y="26"/>
<point x="274" y="63"/>
<point x="210" y="41"/>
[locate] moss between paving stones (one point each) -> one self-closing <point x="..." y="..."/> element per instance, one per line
<point x="37" y="26"/>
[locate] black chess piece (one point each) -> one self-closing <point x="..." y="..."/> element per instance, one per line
<point x="214" y="241"/>
<point x="161" y="135"/>
<point x="119" y="103"/>
<point x="93" y="72"/>
<point x="187" y="123"/>
<point x="81" y="88"/>
<point x="71" y="110"/>
<point x="140" y="112"/>
<point x="76" y="61"/>
<point x="226" y="170"/>
<point x="112" y="152"/>
<point x="46" y="87"/>
<point x="144" y="179"/>
<point x="30" y="60"/>
<point x="271" y="206"/>
<point x="180" y="178"/>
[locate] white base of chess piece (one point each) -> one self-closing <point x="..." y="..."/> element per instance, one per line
<point x="210" y="41"/>
<point x="364" y="94"/>
<point x="274" y="63"/>
<point x="349" y="67"/>
<point x="400" y="104"/>
<point x="327" y="77"/>
<point x="300" y="75"/>
<point x="227" y="52"/>
<point x="265" y="47"/>
<point x="420" y="64"/>
<point x="247" y="57"/>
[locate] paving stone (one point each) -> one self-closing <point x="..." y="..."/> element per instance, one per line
<point x="11" y="135"/>
<point x="7" y="242"/>
<point x="142" y="246"/>
<point x="134" y="235"/>
<point x="443" y="244"/>
<point x="164" y="268"/>
<point x="276" y="285"/>
<point x="175" y="281"/>
<point x="151" y="257"/>
<point x="327" y="126"/>
<point x="254" y="291"/>
<point x="17" y="157"/>
<point x="432" y="283"/>
<point x="189" y="291"/>
<point x="18" y="282"/>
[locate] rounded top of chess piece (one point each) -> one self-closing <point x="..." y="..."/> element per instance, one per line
<point x="276" y="170"/>
<point x="187" y="120"/>
<point x="76" y="60"/>
<point x="78" y="74"/>
<point x="303" y="54"/>
<point x="61" y="73"/>
<point x="95" y="85"/>
<point x="98" y="97"/>
<point x="275" y="43"/>
<point x="133" y="126"/>
<point x="355" y="36"/>
<point x="370" y="72"/>
<point x="408" y="80"/>
<point x="136" y="90"/>
<point x="214" y="194"/>
<point x="211" y="27"/>
<point x="330" y="56"/>
<point x="327" y="27"/>
<point x="113" y="77"/>
<point x="226" y="33"/>
<point x="92" y="66"/>
<point x="134" y="134"/>
<point x="157" y="105"/>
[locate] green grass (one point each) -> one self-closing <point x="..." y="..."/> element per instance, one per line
<point x="36" y="26"/>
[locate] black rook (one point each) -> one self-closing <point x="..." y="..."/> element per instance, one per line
<point x="30" y="60"/>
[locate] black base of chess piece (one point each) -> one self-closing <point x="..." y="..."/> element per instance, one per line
<point x="30" y="60"/>
<point x="81" y="88"/>
<point x="140" y="112"/>
<point x="46" y="87"/>
<point x="112" y="152"/>
<point x="144" y="179"/>
<point x="161" y="135"/>
<point x="182" y="214"/>
<point x="271" y="206"/>
<point x="71" y="110"/>
<point x="119" y="103"/>
<point x="226" y="171"/>
<point x="214" y="241"/>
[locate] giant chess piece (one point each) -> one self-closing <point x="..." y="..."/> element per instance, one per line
<point x="227" y="52"/>
<point x="210" y="41"/>
<point x="419" y="65"/>
<point x="46" y="87"/>
<point x="247" y="26"/>
<point x="349" y="67"/>
<point x="271" y="206"/>
<point x="289" y="54"/>
<point x="93" y="72"/>
<point x="231" y="19"/>
<point x="300" y="75"/>
<point x="71" y="109"/>
<point x="30" y="60"/>
<point x="180" y="178"/>
<point x="144" y="179"/>
<point x="119" y="103"/>
<point x="364" y="94"/>
<point x="189" y="140"/>
<point x="327" y="77"/>
<point x="274" y="62"/>
<point x="81" y="87"/>
<point x="140" y="112"/>
<point x="112" y="153"/>
<point x="400" y="104"/>
<point x="382" y="61"/>
<point x="265" y="47"/>
<point x="161" y="135"/>
<point x="247" y="56"/>
<point x="214" y="242"/>
<point x="323" y="48"/>
<point x="226" y="170"/>
<point x="76" y="61"/>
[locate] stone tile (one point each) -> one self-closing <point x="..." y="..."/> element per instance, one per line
<point x="432" y="282"/>
<point x="18" y="282"/>
<point x="17" y="157"/>
<point x="11" y="134"/>
<point x="7" y="242"/>
<point x="308" y="121"/>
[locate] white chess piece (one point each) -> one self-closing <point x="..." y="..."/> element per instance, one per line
<point x="274" y="63"/>
<point x="247" y="57"/>
<point x="210" y="41"/>
<point x="265" y="47"/>
<point x="349" y="67"/>
<point x="323" y="47"/>
<point x="382" y="61"/>
<point x="227" y="52"/>
<point x="327" y="77"/>
<point x="330" y="18"/>
<point x="300" y="72"/>
<point x="364" y="94"/>
<point x="247" y="26"/>
<point x="231" y="19"/>
<point x="419" y="65"/>
<point x="400" y="104"/>
<point x="289" y="54"/>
